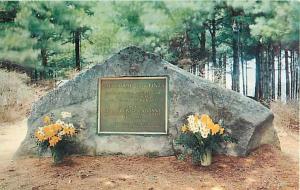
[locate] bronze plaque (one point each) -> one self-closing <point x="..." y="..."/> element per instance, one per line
<point x="133" y="105"/>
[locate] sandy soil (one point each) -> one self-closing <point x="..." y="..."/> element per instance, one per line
<point x="289" y="142"/>
<point x="265" y="168"/>
<point x="11" y="135"/>
<point x="286" y="122"/>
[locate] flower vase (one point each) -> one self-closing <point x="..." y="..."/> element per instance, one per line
<point x="206" y="158"/>
<point x="57" y="156"/>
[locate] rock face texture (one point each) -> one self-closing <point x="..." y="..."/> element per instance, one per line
<point x="246" y="119"/>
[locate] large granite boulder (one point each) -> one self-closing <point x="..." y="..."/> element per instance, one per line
<point x="246" y="119"/>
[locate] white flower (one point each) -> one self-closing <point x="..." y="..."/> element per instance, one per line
<point x="40" y="131"/>
<point x="199" y="125"/>
<point x="204" y="135"/>
<point x="194" y="128"/>
<point x="70" y="125"/>
<point x="65" y="114"/>
<point x="221" y="122"/>
<point x="204" y="131"/>
<point x="62" y="133"/>
<point x="191" y="119"/>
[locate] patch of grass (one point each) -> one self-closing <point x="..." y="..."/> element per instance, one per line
<point x="71" y="73"/>
<point x="152" y="154"/>
<point x="15" y="96"/>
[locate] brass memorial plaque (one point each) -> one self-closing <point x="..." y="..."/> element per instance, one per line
<point x="133" y="105"/>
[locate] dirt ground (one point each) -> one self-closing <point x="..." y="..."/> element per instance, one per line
<point x="265" y="168"/>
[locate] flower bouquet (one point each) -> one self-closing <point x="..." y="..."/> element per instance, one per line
<point x="55" y="135"/>
<point x="201" y="135"/>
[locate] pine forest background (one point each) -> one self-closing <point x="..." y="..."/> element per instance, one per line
<point x="251" y="47"/>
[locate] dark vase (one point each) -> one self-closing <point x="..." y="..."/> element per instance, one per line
<point x="57" y="155"/>
<point x="207" y="157"/>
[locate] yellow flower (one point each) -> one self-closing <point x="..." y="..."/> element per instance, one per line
<point x="221" y="130"/>
<point x="184" y="128"/>
<point x="210" y="125"/>
<point x="215" y="128"/>
<point x="196" y="118"/>
<point x="46" y="120"/>
<point x="49" y="131"/>
<point x="206" y="121"/>
<point x="69" y="130"/>
<point x="57" y="127"/>
<point x="54" y="140"/>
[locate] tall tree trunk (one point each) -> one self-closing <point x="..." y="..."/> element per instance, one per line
<point x="186" y="45"/>
<point x="194" y="69"/>
<point x="262" y="68"/>
<point x="35" y="75"/>
<point x="202" y="42"/>
<point x="44" y="57"/>
<point x="213" y="42"/>
<point x="292" y="74"/>
<point x="266" y="75"/>
<point x="243" y="71"/>
<point x="258" y="77"/>
<point x="297" y="75"/>
<point x="208" y="70"/>
<point x="273" y="73"/>
<point x="219" y="70"/>
<point x="246" y="72"/>
<point x="236" y="70"/>
<point x="202" y="70"/>
<point x="287" y="83"/>
<point x="296" y="62"/>
<point x="77" y="49"/>
<point x="44" y="62"/>
<point x="279" y="74"/>
<point x="224" y="69"/>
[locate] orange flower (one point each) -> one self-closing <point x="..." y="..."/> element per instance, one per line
<point x="49" y="131"/>
<point x="54" y="140"/>
<point x="215" y="129"/>
<point x="207" y="121"/>
<point x="57" y="127"/>
<point x="221" y="130"/>
<point x="210" y="125"/>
